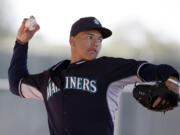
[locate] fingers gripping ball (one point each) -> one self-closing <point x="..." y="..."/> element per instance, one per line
<point x="147" y="93"/>
<point x="31" y="23"/>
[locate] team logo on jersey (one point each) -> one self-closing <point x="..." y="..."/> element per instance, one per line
<point x="51" y="89"/>
<point x="79" y="83"/>
<point x="72" y="82"/>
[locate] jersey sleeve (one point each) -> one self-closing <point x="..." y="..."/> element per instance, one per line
<point x="33" y="86"/>
<point x="119" y="68"/>
<point x="152" y="72"/>
<point x="21" y="82"/>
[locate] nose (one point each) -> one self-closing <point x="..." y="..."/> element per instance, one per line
<point x="96" y="43"/>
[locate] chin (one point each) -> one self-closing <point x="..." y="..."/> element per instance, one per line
<point x="90" y="56"/>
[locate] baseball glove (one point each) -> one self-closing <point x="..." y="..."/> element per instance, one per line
<point x="147" y="93"/>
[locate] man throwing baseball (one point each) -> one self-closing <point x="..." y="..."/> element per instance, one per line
<point x="81" y="94"/>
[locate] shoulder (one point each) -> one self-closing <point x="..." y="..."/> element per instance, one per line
<point x="115" y="59"/>
<point x="60" y="64"/>
<point x="59" y="67"/>
<point x="116" y="62"/>
<point x="106" y="58"/>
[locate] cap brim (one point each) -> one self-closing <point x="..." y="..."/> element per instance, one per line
<point x="105" y="32"/>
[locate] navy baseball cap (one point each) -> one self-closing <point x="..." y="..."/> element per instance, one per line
<point x="89" y="23"/>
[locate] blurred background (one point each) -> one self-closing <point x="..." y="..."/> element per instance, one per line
<point x="142" y="29"/>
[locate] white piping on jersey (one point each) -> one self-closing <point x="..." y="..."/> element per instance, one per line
<point x="58" y="65"/>
<point x="28" y="91"/>
<point x="148" y="83"/>
<point x="114" y="90"/>
<point x="80" y="62"/>
<point x="139" y="70"/>
<point x="19" y="88"/>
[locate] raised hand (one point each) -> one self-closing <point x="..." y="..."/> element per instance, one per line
<point x="24" y="33"/>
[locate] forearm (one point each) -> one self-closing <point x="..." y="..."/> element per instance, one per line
<point x="18" y="66"/>
<point x="150" y="72"/>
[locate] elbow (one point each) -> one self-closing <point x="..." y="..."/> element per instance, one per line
<point x="14" y="91"/>
<point x="13" y="88"/>
<point x="13" y="82"/>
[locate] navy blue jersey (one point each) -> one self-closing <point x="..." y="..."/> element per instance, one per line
<point x="81" y="98"/>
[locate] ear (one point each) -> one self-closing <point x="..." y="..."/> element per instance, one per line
<point x="71" y="41"/>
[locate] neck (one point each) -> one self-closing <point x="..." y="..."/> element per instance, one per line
<point x="74" y="56"/>
<point x="75" y="59"/>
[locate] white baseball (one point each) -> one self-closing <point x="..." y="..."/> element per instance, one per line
<point x="31" y="23"/>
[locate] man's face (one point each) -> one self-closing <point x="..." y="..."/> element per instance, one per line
<point x="86" y="44"/>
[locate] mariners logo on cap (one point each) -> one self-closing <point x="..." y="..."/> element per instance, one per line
<point x="96" y="22"/>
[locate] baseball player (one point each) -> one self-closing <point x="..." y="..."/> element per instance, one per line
<point x="81" y="94"/>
